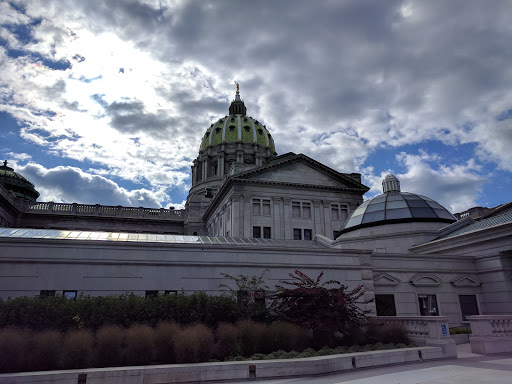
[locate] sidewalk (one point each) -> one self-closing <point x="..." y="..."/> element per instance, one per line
<point x="468" y="368"/>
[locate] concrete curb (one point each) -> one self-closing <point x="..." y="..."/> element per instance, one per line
<point x="225" y="371"/>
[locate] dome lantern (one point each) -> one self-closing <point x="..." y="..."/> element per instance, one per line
<point x="237" y="106"/>
<point x="390" y="184"/>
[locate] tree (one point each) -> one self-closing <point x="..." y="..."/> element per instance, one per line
<point x="250" y="294"/>
<point x="313" y="305"/>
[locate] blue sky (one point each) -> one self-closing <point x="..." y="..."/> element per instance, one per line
<point x="106" y="101"/>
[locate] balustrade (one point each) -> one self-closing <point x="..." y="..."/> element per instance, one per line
<point x="491" y="334"/>
<point x="105" y="210"/>
<point x="421" y="328"/>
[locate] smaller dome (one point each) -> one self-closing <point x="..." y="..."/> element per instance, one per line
<point x="17" y="184"/>
<point x="394" y="206"/>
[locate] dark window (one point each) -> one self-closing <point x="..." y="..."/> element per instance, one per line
<point x="71" y="295"/>
<point x="232" y="120"/>
<point x="308" y="234"/>
<point x="47" y="293"/>
<point x="468" y="306"/>
<point x="260" y="131"/>
<point x="267" y="233"/>
<point x="207" y="134"/>
<point x="256" y="207"/>
<point x="231" y="127"/>
<point x="385" y="305"/>
<point x="247" y="128"/>
<point x="217" y="129"/>
<point x="266" y="207"/>
<point x="172" y="293"/>
<point x="151" y="293"/>
<point x="245" y="120"/>
<point x="256" y="232"/>
<point x="297" y="235"/>
<point x="301" y="209"/>
<point x="428" y="305"/>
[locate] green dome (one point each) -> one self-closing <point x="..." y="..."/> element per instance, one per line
<point x="17" y="184"/>
<point x="237" y="128"/>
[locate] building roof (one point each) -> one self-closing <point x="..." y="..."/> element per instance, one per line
<point x="237" y="127"/>
<point x="17" y="184"/>
<point x="394" y="206"/>
<point x="475" y="225"/>
<point x="95" y="236"/>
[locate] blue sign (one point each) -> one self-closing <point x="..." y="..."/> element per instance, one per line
<point x="444" y="330"/>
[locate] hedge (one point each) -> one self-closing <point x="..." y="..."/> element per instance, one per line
<point x="40" y="313"/>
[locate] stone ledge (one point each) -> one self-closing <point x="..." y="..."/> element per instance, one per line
<point x="236" y="370"/>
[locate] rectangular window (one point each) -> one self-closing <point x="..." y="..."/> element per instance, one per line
<point x="428" y="305"/>
<point x="172" y="293"/>
<point x="261" y="207"/>
<point x="267" y="233"/>
<point x="385" y="305"/>
<point x="256" y="207"/>
<point x="256" y="232"/>
<point x="295" y="209"/>
<point x="70" y="295"/>
<point x="335" y="212"/>
<point x="297" y="235"/>
<point x="266" y="207"/>
<point x="301" y="209"/>
<point x="308" y="234"/>
<point x="468" y="306"/>
<point x="47" y="293"/>
<point x="151" y="293"/>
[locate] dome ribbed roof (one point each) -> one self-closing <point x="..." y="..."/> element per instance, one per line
<point x="395" y="206"/>
<point x="17" y="184"/>
<point x="237" y="127"/>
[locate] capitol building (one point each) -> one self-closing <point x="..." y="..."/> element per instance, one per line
<point x="250" y="209"/>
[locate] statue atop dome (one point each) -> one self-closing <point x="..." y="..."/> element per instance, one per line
<point x="237" y="88"/>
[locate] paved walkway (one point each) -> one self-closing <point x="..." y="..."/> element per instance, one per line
<point x="468" y="368"/>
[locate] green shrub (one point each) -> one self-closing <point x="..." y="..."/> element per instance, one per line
<point x="46" y="350"/>
<point x="460" y="330"/>
<point x="77" y="349"/>
<point x="228" y="341"/>
<point x="14" y="347"/>
<point x="139" y="344"/>
<point x="109" y="343"/>
<point x="194" y="344"/>
<point x="165" y="334"/>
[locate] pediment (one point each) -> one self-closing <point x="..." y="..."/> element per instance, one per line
<point x="466" y="281"/>
<point x="385" y="279"/>
<point x="300" y="169"/>
<point x="426" y="280"/>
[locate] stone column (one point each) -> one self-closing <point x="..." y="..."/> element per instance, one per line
<point x="287" y="217"/>
<point x="220" y="166"/>
<point x="247" y="216"/>
<point x="235" y="222"/>
<point x="328" y="219"/>
<point x="318" y="217"/>
<point x="277" y="219"/>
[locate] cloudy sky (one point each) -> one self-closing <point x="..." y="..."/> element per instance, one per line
<point x="106" y="101"/>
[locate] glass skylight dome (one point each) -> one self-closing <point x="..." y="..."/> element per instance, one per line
<point x="394" y="206"/>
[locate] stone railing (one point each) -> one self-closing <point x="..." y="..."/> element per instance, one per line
<point x="421" y="328"/>
<point x="491" y="325"/>
<point x="490" y="334"/>
<point x="105" y="211"/>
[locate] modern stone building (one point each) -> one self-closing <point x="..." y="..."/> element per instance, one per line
<point x="248" y="210"/>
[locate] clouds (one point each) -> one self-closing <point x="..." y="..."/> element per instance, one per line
<point x="71" y="184"/>
<point x="456" y="186"/>
<point x="343" y="79"/>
